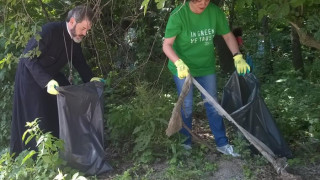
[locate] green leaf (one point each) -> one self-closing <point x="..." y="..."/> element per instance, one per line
<point x="137" y="129"/>
<point x="59" y="143"/>
<point x="40" y="140"/>
<point x="160" y="3"/>
<point x="31" y="153"/>
<point x="77" y="177"/>
<point x="25" y="133"/>
<point x="60" y="175"/>
<point x="273" y="8"/>
<point x="262" y="13"/>
<point x="144" y="5"/>
<point x="29" y="139"/>
<point x="296" y="3"/>
<point x="37" y="37"/>
<point x="285" y="10"/>
<point x="47" y="159"/>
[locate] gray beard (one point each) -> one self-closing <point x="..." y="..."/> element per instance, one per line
<point x="73" y="34"/>
<point x="76" y="40"/>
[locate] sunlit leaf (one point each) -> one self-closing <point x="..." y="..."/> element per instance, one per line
<point x="144" y="5"/>
<point x="160" y="3"/>
<point x="25" y="133"/>
<point x="29" y="139"/>
<point x="31" y="153"/>
<point x="40" y="140"/>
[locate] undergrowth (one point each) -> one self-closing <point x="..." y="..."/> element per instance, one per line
<point x="44" y="163"/>
<point x="140" y="122"/>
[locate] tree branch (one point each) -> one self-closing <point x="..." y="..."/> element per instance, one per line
<point x="305" y="39"/>
<point x="44" y="11"/>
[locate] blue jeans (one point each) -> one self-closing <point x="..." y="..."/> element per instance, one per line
<point x="215" y="120"/>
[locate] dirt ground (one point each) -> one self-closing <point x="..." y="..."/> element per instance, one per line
<point x="228" y="168"/>
<point x="231" y="169"/>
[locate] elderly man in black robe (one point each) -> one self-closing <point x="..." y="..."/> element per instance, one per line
<point x="37" y="77"/>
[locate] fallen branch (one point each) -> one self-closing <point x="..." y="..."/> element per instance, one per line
<point x="305" y="39"/>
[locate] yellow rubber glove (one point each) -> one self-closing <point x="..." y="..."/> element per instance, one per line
<point x="182" y="68"/>
<point x="98" y="79"/>
<point x="51" y="87"/>
<point x="241" y="65"/>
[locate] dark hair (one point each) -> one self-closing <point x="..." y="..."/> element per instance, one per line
<point x="79" y="13"/>
<point x="237" y="31"/>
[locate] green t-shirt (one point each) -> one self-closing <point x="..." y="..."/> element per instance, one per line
<point x="194" y="37"/>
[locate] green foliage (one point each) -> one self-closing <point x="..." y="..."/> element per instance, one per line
<point x="242" y="146"/>
<point x="138" y="171"/>
<point x="293" y="101"/>
<point x="193" y="164"/>
<point x="5" y="117"/>
<point x="75" y="176"/>
<point x="138" y="112"/>
<point x="280" y="9"/>
<point x="144" y="118"/>
<point x="145" y="3"/>
<point x="313" y="25"/>
<point x="40" y="164"/>
<point x="306" y="153"/>
<point x="19" y="21"/>
<point x="248" y="173"/>
<point x="7" y="69"/>
<point x="302" y="12"/>
<point x="10" y="47"/>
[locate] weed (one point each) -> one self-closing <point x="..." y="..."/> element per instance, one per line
<point x="31" y="164"/>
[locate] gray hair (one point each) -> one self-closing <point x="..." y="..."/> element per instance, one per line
<point x="79" y="13"/>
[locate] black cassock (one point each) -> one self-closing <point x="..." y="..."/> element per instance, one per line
<point x="31" y="99"/>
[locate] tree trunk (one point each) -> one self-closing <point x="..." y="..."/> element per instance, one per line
<point x="306" y="39"/>
<point x="297" y="61"/>
<point x="267" y="57"/>
<point x="232" y="13"/>
<point x="224" y="59"/>
<point x="224" y="55"/>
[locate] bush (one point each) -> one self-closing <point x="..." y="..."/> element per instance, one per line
<point x="141" y="122"/>
<point x="31" y="164"/>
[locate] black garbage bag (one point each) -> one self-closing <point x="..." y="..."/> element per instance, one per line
<point x="80" y="110"/>
<point x="242" y="101"/>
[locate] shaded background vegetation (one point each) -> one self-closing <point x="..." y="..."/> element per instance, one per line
<point x="124" y="47"/>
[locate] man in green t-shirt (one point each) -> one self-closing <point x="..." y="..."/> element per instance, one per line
<point x="189" y="45"/>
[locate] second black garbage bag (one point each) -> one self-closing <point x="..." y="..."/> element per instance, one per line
<point x="242" y="101"/>
<point x="81" y="127"/>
